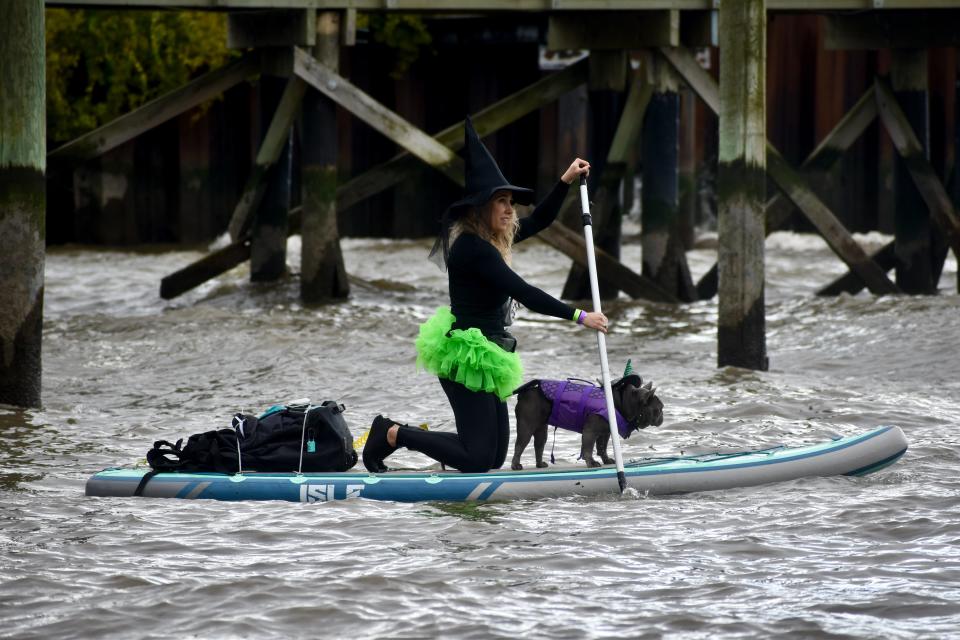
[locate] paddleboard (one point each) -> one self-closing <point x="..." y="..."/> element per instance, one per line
<point x="851" y="456"/>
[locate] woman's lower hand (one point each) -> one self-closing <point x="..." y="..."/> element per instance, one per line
<point x="577" y="168"/>
<point x="596" y="320"/>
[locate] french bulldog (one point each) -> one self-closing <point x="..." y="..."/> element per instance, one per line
<point x="570" y="404"/>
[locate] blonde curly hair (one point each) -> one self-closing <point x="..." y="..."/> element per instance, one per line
<point x="476" y="220"/>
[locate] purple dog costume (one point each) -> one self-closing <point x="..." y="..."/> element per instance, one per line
<point x="573" y="402"/>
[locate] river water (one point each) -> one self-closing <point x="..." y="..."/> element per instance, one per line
<point x="835" y="557"/>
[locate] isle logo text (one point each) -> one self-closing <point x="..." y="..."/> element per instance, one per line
<point x="327" y="492"/>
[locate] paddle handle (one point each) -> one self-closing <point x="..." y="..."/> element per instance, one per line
<point x="601" y="338"/>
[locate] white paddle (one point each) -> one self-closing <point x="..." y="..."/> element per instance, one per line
<point x="601" y="338"/>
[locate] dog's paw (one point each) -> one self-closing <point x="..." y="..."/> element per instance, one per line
<point x="592" y="463"/>
<point x="516" y="466"/>
<point x="542" y="465"/>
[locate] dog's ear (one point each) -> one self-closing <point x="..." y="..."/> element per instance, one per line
<point x="633" y="399"/>
<point x="647" y="391"/>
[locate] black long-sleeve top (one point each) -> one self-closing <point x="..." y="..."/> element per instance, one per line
<point x="481" y="282"/>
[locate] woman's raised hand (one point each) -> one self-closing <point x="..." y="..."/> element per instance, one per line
<point x="577" y="167"/>
<point x="596" y="320"/>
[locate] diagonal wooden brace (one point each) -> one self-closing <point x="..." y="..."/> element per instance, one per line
<point x="831" y="229"/>
<point x="907" y="145"/>
<point x="486" y="121"/>
<point x="791" y="183"/>
<point x="779" y="208"/>
<point x="409" y="137"/>
<point x="609" y="268"/>
<point x="851" y="283"/>
<point x="157" y="111"/>
<point x="377" y="116"/>
<point x="932" y="192"/>
<point x="270" y="149"/>
<point x="403" y="133"/>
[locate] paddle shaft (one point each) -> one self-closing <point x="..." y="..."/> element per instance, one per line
<point x="601" y="338"/>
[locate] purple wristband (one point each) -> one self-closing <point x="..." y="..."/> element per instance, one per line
<point x="583" y="316"/>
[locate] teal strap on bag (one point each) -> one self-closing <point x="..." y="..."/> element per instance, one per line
<point x="277" y="408"/>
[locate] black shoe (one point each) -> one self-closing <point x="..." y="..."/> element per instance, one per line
<point x="377" y="448"/>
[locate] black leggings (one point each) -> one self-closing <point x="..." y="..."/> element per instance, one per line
<point x="483" y="432"/>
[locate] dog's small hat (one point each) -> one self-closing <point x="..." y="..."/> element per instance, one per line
<point x="483" y="179"/>
<point x="629" y="377"/>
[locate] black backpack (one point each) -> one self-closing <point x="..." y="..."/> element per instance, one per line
<point x="284" y="439"/>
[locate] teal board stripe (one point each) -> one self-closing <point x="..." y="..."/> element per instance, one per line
<point x="876" y="466"/>
<point x="485" y="495"/>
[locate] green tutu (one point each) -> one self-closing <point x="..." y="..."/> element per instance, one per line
<point x="466" y="356"/>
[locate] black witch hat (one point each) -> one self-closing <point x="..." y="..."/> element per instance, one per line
<point x="483" y="176"/>
<point x="483" y="179"/>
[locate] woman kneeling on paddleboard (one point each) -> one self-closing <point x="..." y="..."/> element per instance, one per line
<point x="466" y="344"/>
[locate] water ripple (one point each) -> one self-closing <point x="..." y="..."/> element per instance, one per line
<point x="824" y="557"/>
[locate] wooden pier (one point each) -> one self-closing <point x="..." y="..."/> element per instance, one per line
<point x="641" y="61"/>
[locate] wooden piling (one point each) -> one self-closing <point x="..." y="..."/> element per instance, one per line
<point x="22" y="199"/>
<point x="664" y="259"/>
<point x="742" y="184"/>
<point x="608" y="70"/>
<point x="572" y="116"/>
<point x="322" y="274"/>
<point x="687" y="168"/>
<point x="941" y="79"/>
<point x="85" y="188"/>
<point x="268" y="232"/>
<point x="924" y="177"/>
<point x="607" y="186"/>
<point x="912" y="226"/>
<point x="412" y="216"/>
<point x="195" y="193"/>
<point x="955" y="177"/>
<point x="114" y="211"/>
